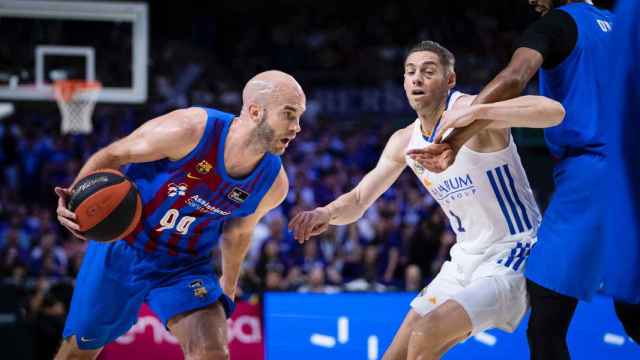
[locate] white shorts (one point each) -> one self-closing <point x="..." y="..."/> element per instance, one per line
<point x="493" y="293"/>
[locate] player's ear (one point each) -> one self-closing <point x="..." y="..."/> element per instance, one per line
<point x="451" y="79"/>
<point x="255" y="112"/>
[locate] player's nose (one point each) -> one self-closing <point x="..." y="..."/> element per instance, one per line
<point x="295" y="126"/>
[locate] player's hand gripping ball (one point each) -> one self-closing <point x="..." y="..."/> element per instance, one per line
<point x="107" y="205"/>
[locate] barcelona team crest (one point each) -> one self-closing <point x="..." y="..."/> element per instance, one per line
<point x="203" y="167"/>
<point x="238" y="195"/>
<point x="198" y="288"/>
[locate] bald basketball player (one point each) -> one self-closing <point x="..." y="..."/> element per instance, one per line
<point x="229" y="174"/>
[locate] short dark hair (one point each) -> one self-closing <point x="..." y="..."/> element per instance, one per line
<point x="447" y="59"/>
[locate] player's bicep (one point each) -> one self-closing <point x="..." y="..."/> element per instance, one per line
<point x="171" y="135"/>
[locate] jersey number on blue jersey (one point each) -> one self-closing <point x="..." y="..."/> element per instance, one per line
<point x="170" y="219"/>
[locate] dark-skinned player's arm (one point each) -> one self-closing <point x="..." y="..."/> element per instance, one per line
<point x="508" y="84"/>
<point x="546" y="43"/>
<point x="237" y="233"/>
<point x="529" y="111"/>
<point x="172" y="136"/>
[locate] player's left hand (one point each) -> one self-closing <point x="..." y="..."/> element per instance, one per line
<point x="435" y="157"/>
<point x="456" y="118"/>
<point x="309" y="223"/>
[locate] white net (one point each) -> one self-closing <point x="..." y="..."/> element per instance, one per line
<point x="76" y="100"/>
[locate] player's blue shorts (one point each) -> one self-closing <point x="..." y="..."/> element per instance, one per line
<point x="116" y="278"/>
<point x="569" y="256"/>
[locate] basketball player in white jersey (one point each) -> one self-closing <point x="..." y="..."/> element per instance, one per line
<point x="485" y="194"/>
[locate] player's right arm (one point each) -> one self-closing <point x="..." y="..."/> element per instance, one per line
<point x="172" y="136"/>
<point x="351" y="206"/>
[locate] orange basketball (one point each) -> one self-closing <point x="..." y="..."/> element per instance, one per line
<point x="107" y="205"/>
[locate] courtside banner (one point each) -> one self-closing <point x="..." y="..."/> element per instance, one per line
<point x="148" y="339"/>
<point x="361" y="326"/>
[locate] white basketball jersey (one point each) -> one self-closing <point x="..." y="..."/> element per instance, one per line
<point x="486" y="196"/>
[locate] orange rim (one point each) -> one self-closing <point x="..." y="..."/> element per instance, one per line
<point x="65" y="89"/>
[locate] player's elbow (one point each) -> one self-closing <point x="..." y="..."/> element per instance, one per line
<point x="511" y="82"/>
<point x="559" y="113"/>
<point x="114" y="155"/>
<point x="554" y="112"/>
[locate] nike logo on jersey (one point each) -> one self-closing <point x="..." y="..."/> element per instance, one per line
<point x="189" y="176"/>
<point x="84" y="339"/>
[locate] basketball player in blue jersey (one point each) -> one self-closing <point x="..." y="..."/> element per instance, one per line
<point x="485" y="195"/>
<point x="206" y="178"/>
<point x="621" y="207"/>
<point x="570" y="47"/>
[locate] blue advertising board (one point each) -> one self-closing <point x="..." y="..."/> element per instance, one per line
<point x="362" y="325"/>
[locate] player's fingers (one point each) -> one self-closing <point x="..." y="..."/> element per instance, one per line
<point x="62" y="193"/>
<point x="78" y="235"/>
<point x="308" y="225"/>
<point x="433" y="149"/>
<point x="64" y="212"/>
<point x="440" y="132"/>
<point x="419" y="151"/>
<point x="68" y="223"/>
<point x="294" y="221"/>
<point x="425" y="159"/>
<point x="315" y="222"/>
<point x="429" y="163"/>
<point x="298" y="223"/>
<point x="437" y="149"/>
<point x="299" y="227"/>
<point x="319" y="229"/>
<point x="62" y="202"/>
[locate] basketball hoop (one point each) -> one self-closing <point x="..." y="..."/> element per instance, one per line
<point x="76" y="100"/>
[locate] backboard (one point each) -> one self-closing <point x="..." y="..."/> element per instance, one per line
<point x="57" y="40"/>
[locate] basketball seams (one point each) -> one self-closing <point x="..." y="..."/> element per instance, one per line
<point x="136" y="217"/>
<point x="82" y="189"/>
<point x="97" y="206"/>
<point x="121" y="218"/>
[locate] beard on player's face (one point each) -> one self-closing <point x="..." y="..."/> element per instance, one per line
<point x="265" y="137"/>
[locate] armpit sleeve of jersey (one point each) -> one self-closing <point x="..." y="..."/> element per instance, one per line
<point x="554" y="36"/>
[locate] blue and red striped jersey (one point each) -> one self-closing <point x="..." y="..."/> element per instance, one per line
<point x="185" y="202"/>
